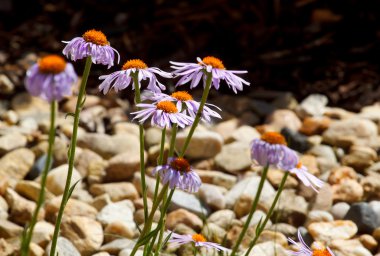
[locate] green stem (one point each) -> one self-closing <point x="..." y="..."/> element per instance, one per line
<point x="142" y="157"/>
<point x="199" y="113"/>
<point x="270" y="212"/>
<point x="160" y="162"/>
<point x="252" y="211"/>
<point x="41" y="198"/>
<point x="66" y="193"/>
<point x="172" y="140"/>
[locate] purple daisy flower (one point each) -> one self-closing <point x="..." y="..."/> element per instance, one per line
<point x="178" y="173"/>
<point x="305" y="250"/>
<point x="197" y="239"/>
<point x="120" y="80"/>
<point x="92" y="43"/>
<point x="51" y="78"/>
<point x="271" y="149"/>
<point x="194" y="72"/>
<point x="307" y="178"/>
<point x="184" y="98"/>
<point x="163" y="113"/>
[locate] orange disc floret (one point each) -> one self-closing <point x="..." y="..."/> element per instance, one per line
<point x="167" y="106"/>
<point x="213" y="62"/>
<point x="273" y="138"/>
<point x="299" y="165"/>
<point x="51" y="64"/>
<point x="182" y="95"/>
<point x="198" y="238"/>
<point x="135" y="63"/>
<point x="180" y="164"/>
<point x="95" y="37"/>
<point x="323" y="252"/>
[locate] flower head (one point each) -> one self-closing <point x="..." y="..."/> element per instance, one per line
<point x="195" y="71"/>
<point x="185" y="103"/>
<point x="178" y="173"/>
<point x="92" y="43"/>
<point x="271" y="149"/>
<point x="305" y="250"/>
<point x="307" y="178"/>
<point x="120" y="80"/>
<point x="163" y="113"/>
<point x="51" y="78"/>
<point x="197" y="240"/>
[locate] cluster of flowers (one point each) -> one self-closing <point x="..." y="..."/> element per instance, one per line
<point x="51" y="79"/>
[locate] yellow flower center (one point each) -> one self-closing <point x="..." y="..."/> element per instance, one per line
<point x="167" y="106"/>
<point x="180" y="164"/>
<point x="273" y="138"/>
<point x="198" y="238"/>
<point x="323" y="252"/>
<point x="299" y="165"/>
<point x="213" y="62"/>
<point x="95" y="37"/>
<point x="182" y="96"/>
<point x="136" y="63"/>
<point x="51" y="64"/>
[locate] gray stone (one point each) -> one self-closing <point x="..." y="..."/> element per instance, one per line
<point x="188" y="202"/>
<point x="363" y="216"/>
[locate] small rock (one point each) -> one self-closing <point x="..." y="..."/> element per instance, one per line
<point x="371" y="185"/>
<point x="282" y="118"/>
<point x="217" y="178"/>
<point x="153" y="136"/>
<point x="318" y="216"/>
<point x="256" y="218"/>
<point x="275" y="176"/>
<point x="204" y="144"/>
<point x="244" y="134"/>
<point x="123" y="166"/>
<point x="9" y="229"/>
<point x="185" y="217"/>
<point x="56" y="179"/>
<point x="214" y="233"/>
<point x="324" y="199"/>
<point x="85" y="159"/>
<point x="226" y="128"/>
<point x="212" y="196"/>
<point x="368" y="242"/>
<point x="27" y="106"/>
<point x="360" y="157"/>
<point x="339" y="210"/>
<point x="286" y="229"/>
<point x="325" y="157"/>
<point x="86" y="234"/>
<point x="117" y="245"/>
<point x="363" y="216"/>
<point x="11" y="141"/>
<point x="296" y="140"/>
<point x="349" y="191"/>
<point x="270" y="248"/>
<point x="120" y="211"/>
<point x="188" y="202"/>
<point x="313" y="105"/>
<point x="16" y="164"/>
<point x="35" y="250"/>
<point x="42" y="233"/>
<point x="117" y="191"/>
<point x="291" y="208"/>
<point x="234" y="157"/>
<point x="314" y="125"/>
<point x="222" y="218"/>
<point x="31" y="190"/>
<point x="73" y="208"/>
<point x="268" y="235"/>
<point x="327" y="231"/>
<point x="341" y="173"/>
<point x="349" y="248"/>
<point x="64" y="248"/>
<point x="100" y="201"/>
<point x="119" y="229"/>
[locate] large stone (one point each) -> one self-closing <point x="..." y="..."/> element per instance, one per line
<point x="282" y="118"/>
<point x="85" y="160"/>
<point x="31" y="190"/>
<point x="204" y="144"/>
<point x="117" y="191"/>
<point x="189" y="202"/>
<point x="64" y="248"/>
<point x="11" y="141"/>
<point x="108" y="146"/>
<point x="185" y="217"/>
<point x="42" y="233"/>
<point x="86" y="234"/>
<point x="217" y="178"/>
<point x="349" y="191"/>
<point x="234" y="157"/>
<point x="122" y="166"/>
<point x="120" y="211"/>
<point x="16" y="164"/>
<point x="222" y="218"/>
<point x="291" y="208"/>
<point x="327" y="231"/>
<point x="56" y="179"/>
<point x="324" y="199"/>
<point x="73" y="208"/>
<point x="212" y="196"/>
<point x="363" y="216"/>
<point x="118" y="229"/>
<point x="354" y="131"/>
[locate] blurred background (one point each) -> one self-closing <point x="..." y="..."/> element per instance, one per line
<point x="302" y="46"/>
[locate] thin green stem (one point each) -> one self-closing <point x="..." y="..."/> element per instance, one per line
<point x="172" y="140"/>
<point x="135" y="77"/>
<point x="160" y="162"/>
<point x="41" y="197"/>
<point x="66" y="193"/>
<point x="252" y="211"/>
<point x="199" y="113"/>
<point x="270" y="212"/>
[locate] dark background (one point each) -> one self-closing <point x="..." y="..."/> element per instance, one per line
<point x="305" y="46"/>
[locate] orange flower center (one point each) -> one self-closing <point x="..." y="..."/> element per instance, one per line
<point x="213" y="62"/>
<point x="167" y="106"/>
<point x="136" y="63"/>
<point x="299" y="165"/>
<point x="51" y="64"/>
<point x="273" y="138"/>
<point x="198" y="238"/>
<point x="180" y="164"/>
<point x="323" y="252"/>
<point x="182" y="95"/>
<point x="95" y="37"/>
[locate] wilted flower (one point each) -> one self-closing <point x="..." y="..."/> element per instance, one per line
<point x="271" y="149"/>
<point x="195" y="71"/>
<point x="305" y="250"/>
<point x="307" y="178"/>
<point x="196" y="239"/>
<point x="120" y="80"/>
<point x="163" y="113"/>
<point x="92" y="43"/>
<point x="51" y="78"/>
<point x="191" y="106"/>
